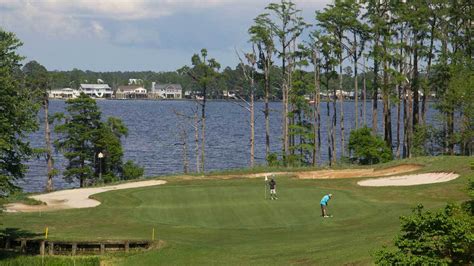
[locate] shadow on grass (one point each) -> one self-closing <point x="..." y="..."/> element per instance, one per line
<point x="13" y="233"/>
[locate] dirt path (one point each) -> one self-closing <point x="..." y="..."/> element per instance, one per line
<point x="74" y="198"/>
<point x="409" y="180"/>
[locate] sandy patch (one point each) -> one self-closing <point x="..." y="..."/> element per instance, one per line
<point x="328" y="174"/>
<point x="74" y="198"/>
<point x="353" y="173"/>
<point x="409" y="180"/>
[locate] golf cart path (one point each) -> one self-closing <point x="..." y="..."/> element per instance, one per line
<point x="74" y="198"/>
<point x="409" y="180"/>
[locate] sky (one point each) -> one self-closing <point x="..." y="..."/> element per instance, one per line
<point x="134" y="35"/>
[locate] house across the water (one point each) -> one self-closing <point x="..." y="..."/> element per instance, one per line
<point x="130" y="92"/>
<point x="97" y="90"/>
<point x="166" y="91"/>
<point x="64" y="93"/>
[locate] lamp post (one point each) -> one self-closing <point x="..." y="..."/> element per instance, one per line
<point x="100" y="156"/>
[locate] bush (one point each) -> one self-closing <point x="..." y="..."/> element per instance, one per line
<point x="272" y="159"/>
<point x="440" y="238"/>
<point x="132" y="171"/>
<point x="368" y="149"/>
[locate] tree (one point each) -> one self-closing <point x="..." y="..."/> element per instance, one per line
<point x="204" y="73"/>
<point x="108" y="142"/>
<point x="38" y="82"/>
<point x="335" y="20"/>
<point x="17" y="116"/>
<point x="261" y="34"/>
<point x="432" y="238"/>
<point x="248" y="71"/>
<point x="77" y="137"/>
<point x="288" y="26"/>
<point x="367" y="148"/>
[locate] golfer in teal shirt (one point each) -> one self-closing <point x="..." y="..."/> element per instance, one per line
<point x="324" y="204"/>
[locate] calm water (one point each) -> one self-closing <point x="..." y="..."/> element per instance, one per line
<point x="153" y="139"/>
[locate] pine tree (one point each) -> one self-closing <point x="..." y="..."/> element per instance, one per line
<point x="18" y="115"/>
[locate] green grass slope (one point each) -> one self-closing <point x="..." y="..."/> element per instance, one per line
<point x="217" y="222"/>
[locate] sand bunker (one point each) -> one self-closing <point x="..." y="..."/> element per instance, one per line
<point x="409" y="180"/>
<point x="333" y="174"/>
<point x="353" y="173"/>
<point x="74" y="198"/>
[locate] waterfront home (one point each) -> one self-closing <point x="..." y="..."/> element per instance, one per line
<point x="166" y="91"/>
<point x="130" y="92"/>
<point x="64" y="93"/>
<point x="96" y="90"/>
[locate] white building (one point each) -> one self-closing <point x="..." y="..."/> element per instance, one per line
<point x="64" y="93"/>
<point x="166" y="91"/>
<point x="130" y="92"/>
<point x="96" y="90"/>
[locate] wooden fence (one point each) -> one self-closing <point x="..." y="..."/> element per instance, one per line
<point x="51" y="247"/>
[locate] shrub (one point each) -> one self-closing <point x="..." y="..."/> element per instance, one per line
<point x="367" y="148"/>
<point x="272" y="160"/>
<point x="132" y="171"/>
<point x="440" y="238"/>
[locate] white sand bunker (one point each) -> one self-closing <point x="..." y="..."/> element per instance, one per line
<point x="409" y="180"/>
<point x="74" y="198"/>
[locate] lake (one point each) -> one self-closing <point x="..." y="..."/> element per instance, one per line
<point x="153" y="139"/>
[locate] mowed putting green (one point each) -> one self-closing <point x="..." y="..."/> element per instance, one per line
<point x="229" y="221"/>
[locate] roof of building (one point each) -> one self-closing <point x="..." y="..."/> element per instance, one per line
<point x="129" y="87"/>
<point x="166" y="86"/>
<point x="95" y="86"/>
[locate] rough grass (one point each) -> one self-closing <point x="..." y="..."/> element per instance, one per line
<point x="215" y="222"/>
<point x="11" y="259"/>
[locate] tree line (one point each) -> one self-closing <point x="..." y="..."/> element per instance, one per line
<point x="91" y="145"/>
<point x="399" y="51"/>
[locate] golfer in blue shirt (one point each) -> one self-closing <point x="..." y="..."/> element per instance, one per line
<point x="324" y="204"/>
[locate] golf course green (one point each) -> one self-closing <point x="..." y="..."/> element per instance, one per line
<point x="229" y="222"/>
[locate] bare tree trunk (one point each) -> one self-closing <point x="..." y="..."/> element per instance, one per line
<point x="415" y="86"/>
<point x="428" y="70"/>
<point x="285" y="139"/>
<point x="252" y="122"/>
<point x="267" y="108"/>
<point x="375" y="97"/>
<point x="365" y="96"/>
<point x="203" y="134"/>
<point x="398" y="120"/>
<point x="450" y="116"/>
<point x="317" y="122"/>
<point x="184" y="139"/>
<point x="196" y="140"/>
<point x="409" y="121"/>
<point x="386" y="103"/>
<point x="49" y="149"/>
<point x="356" y="84"/>
<point x="343" y="143"/>
<point x="333" y="127"/>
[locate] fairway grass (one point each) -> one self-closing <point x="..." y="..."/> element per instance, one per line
<point x="216" y="222"/>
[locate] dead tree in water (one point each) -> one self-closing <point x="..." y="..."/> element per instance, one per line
<point x="183" y="134"/>
<point x="249" y="75"/>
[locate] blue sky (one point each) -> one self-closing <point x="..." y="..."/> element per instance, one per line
<point x="133" y="35"/>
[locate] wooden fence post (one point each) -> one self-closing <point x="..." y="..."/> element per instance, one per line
<point x="23" y="245"/>
<point x="102" y="248"/>
<point x="127" y="246"/>
<point x="42" y="247"/>
<point x="74" y="249"/>
<point x="51" y="248"/>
